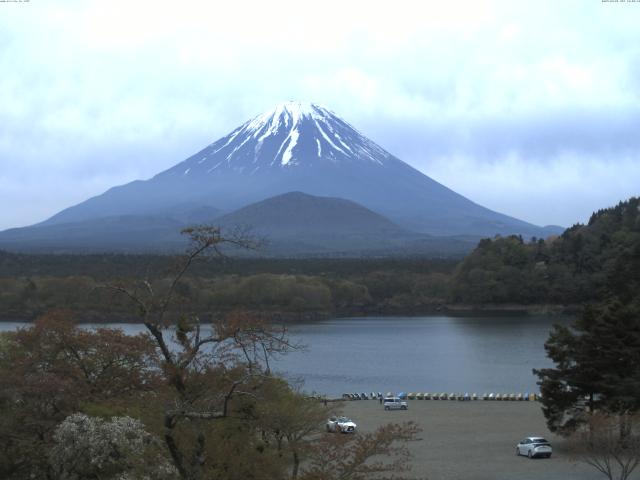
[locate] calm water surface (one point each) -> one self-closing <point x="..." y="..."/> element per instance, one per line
<point x="428" y="354"/>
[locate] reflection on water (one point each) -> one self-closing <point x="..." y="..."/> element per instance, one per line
<point x="428" y="354"/>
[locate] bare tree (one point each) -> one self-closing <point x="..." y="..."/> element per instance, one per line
<point x="220" y="378"/>
<point x="601" y="445"/>
<point x="381" y="454"/>
<point x="206" y="370"/>
<point x="294" y="422"/>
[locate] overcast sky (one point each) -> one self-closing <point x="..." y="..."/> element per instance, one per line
<point x="529" y="108"/>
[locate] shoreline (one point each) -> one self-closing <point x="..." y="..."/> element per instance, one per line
<point x="450" y="310"/>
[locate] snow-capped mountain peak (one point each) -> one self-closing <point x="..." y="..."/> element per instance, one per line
<point x="293" y="134"/>
<point x="291" y="113"/>
<point x="300" y="147"/>
<point x="287" y="116"/>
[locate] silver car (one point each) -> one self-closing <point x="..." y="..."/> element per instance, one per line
<point x="341" y="424"/>
<point x="534" y="447"/>
<point x="394" y="403"/>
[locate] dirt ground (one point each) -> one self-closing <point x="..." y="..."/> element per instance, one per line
<point x="474" y="440"/>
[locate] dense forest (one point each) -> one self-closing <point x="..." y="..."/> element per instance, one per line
<point x="580" y="266"/>
<point x="577" y="267"/>
<point x="30" y="285"/>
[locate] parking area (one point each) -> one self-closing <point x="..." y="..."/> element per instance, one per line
<point x="474" y="440"/>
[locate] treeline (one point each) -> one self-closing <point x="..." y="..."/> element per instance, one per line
<point x="33" y="284"/>
<point x="113" y="266"/>
<point x="301" y="295"/>
<point x="579" y="266"/>
<point x="582" y="265"/>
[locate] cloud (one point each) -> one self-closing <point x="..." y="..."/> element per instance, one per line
<point x="99" y="93"/>
<point x="564" y="189"/>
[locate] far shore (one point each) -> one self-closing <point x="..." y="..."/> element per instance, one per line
<point x="450" y="310"/>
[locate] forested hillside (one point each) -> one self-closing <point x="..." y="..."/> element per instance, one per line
<point x="581" y="265"/>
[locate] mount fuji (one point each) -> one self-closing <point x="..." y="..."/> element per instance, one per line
<point x="296" y="147"/>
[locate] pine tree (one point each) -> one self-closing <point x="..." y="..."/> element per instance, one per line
<point x="597" y="366"/>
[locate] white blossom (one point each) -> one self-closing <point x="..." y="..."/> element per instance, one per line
<point x="117" y="449"/>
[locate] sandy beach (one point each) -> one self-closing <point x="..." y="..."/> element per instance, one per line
<point x="474" y="440"/>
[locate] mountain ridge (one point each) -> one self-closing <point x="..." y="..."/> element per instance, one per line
<point x="294" y="224"/>
<point x="292" y="210"/>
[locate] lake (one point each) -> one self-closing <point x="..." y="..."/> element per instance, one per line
<point x="413" y="354"/>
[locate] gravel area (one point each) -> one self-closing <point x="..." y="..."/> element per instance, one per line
<point x="474" y="440"/>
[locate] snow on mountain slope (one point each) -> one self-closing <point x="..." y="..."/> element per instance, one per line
<point x="294" y="134"/>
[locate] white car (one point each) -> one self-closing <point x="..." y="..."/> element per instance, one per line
<point x="394" y="403"/>
<point x="341" y="424"/>
<point x="534" y="447"/>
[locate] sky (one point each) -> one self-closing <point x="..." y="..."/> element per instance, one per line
<point x="529" y="108"/>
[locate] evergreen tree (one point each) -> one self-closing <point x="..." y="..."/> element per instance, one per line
<point x="597" y="366"/>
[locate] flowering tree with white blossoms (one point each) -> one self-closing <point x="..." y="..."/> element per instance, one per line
<point x="116" y="449"/>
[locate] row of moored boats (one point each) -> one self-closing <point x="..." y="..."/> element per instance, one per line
<point x="446" y="396"/>
<point x="465" y="396"/>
